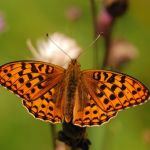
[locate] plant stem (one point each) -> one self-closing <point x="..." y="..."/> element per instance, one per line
<point x="107" y="50"/>
<point x="107" y="42"/>
<point x="53" y="135"/>
<point x="95" y="46"/>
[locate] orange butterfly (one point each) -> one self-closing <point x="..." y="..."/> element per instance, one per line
<point x="85" y="98"/>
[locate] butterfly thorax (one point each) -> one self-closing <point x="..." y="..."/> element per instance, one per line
<point x="71" y="82"/>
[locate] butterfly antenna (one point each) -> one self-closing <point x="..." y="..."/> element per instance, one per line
<point x="92" y="43"/>
<point x="57" y="46"/>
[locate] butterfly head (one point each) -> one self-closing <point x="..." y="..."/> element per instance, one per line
<point x="73" y="61"/>
<point x="74" y="64"/>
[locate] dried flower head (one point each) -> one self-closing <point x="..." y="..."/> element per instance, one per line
<point x="54" y="48"/>
<point x="121" y="52"/>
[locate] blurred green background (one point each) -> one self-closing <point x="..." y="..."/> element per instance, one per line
<point x="33" y="19"/>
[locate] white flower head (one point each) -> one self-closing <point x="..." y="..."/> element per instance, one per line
<point x="54" y="48"/>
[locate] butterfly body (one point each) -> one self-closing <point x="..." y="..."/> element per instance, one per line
<point x="82" y="97"/>
<point x="72" y="78"/>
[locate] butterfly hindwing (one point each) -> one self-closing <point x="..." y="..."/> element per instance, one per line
<point x="86" y="110"/>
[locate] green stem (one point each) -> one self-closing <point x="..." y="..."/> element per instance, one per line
<point x="95" y="46"/>
<point x="53" y="135"/>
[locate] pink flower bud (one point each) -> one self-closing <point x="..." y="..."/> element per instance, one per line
<point x="104" y="22"/>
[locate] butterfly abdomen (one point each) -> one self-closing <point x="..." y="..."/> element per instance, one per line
<point x="72" y="77"/>
<point x="72" y="84"/>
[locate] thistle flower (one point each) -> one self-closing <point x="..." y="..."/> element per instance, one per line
<point x="54" y="48"/>
<point x="111" y="10"/>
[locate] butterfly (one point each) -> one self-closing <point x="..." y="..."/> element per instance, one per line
<point x="84" y="98"/>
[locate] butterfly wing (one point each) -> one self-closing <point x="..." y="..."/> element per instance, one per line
<point x="86" y="111"/>
<point x="107" y="93"/>
<point x="38" y="83"/>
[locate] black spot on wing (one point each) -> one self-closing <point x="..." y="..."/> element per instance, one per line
<point x="105" y="75"/>
<point x="112" y="79"/>
<point x="33" y="68"/>
<point x="23" y="66"/>
<point x="29" y="76"/>
<point x="40" y="67"/>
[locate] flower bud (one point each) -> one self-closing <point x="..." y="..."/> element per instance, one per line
<point x="104" y="22"/>
<point x="116" y="7"/>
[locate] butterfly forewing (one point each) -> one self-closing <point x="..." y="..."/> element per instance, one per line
<point x="114" y="91"/>
<point x="37" y="83"/>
